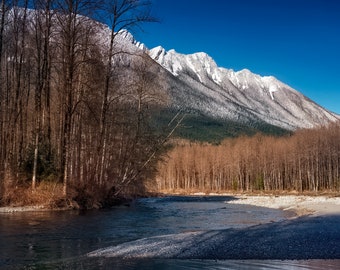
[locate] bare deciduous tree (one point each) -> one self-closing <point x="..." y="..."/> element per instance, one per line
<point x="305" y="161"/>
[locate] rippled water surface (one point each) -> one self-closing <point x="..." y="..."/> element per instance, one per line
<point x="60" y="240"/>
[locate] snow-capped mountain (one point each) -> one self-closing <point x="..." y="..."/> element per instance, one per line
<point x="200" y="85"/>
<point x="196" y="84"/>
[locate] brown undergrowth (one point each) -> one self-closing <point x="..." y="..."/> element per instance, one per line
<point x="49" y="195"/>
<point x="46" y="194"/>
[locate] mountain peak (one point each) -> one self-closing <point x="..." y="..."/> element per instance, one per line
<point x="124" y="37"/>
<point x="244" y="71"/>
<point x="157" y="52"/>
<point x="198" y="63"/>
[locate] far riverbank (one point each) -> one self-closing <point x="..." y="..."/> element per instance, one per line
<point x="300" y="204"/>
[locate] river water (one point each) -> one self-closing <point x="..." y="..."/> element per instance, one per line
<point x="61" y="240"/>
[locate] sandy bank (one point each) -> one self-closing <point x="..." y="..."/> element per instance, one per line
<point x="11" y="209"/>
<point x="302" y="205"/>
<point x="36" y="208"/>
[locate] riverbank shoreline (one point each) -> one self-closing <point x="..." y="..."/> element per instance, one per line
<point x="34" y="208"/>
<point x="302" y="205"/>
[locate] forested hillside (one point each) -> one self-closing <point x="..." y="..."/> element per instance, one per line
<point x="199" y="127"/>
<point x="308" y="160"/>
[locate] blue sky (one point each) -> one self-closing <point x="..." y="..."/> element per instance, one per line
<point x="297" y="41"/>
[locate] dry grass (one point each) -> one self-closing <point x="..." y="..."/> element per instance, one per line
<point x="46" y="194"/>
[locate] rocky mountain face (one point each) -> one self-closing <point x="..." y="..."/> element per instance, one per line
<point x="196" y="85"/>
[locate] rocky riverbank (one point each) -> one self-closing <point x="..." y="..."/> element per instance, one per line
<point x="301" y="205"/>
<point x="313" y="234"/>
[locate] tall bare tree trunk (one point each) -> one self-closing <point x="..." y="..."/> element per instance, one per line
<point x="2" y="142"/>
<point x="42" y="29"/>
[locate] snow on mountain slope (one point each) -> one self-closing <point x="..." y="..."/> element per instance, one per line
<point x="195" y="83"/>
<point x="241" y="96"/>
<point x="123" y="40"/>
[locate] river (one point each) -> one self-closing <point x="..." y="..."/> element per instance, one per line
<point x="61" y="240"/>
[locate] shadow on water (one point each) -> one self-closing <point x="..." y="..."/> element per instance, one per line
<point x="297" y="239"/>
<point x="301" y="238"/>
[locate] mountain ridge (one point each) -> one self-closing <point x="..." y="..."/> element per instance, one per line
<point x="263" y="97"/>
<point x="195" y="83"/>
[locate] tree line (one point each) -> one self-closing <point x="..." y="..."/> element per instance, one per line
<point x="307" y="160"/>
<point x="75" y="106"/>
